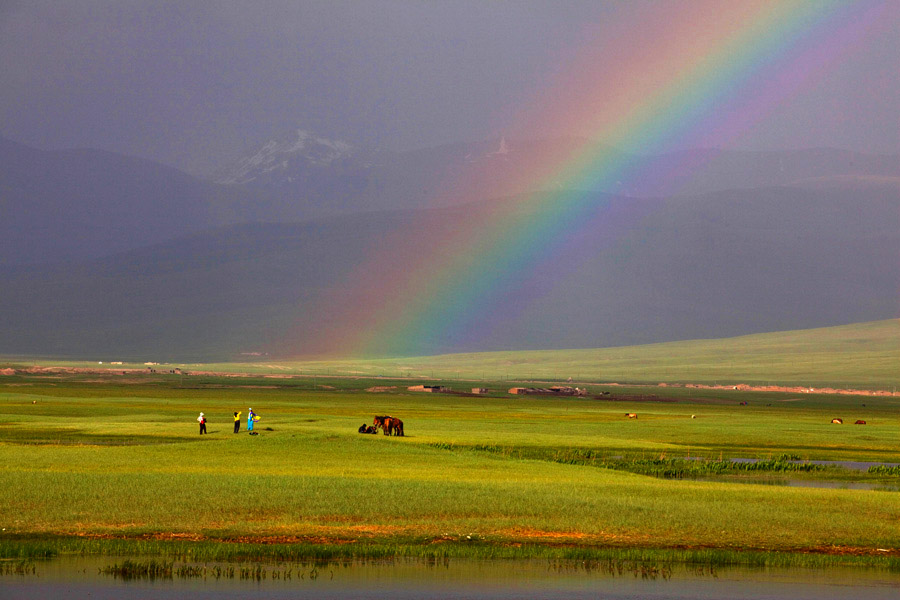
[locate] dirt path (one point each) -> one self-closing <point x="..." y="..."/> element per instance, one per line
<point x="777" y="388"/>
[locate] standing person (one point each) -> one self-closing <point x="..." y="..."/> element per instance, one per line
<point x="237" y="421"/>
<point x="202" y="420"/>
<point x="250" y="416"/>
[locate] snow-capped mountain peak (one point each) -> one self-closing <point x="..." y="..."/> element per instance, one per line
<point x="281" y="155"/>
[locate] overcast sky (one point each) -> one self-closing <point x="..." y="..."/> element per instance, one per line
<point x="194" y="84"/>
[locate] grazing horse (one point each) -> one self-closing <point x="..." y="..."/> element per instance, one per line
<point x="631" y="415"/>
<point x="395" y="425"/>
<point x="380" y="422"/>
<point x="390" y="425"/>
<point x="860" y="422"/>
<point x="837" y="421"/>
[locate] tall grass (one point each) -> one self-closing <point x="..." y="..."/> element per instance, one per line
<point x="178" y="554"/>
<point x="666" y="468"/>
<point x="884" y="470"/>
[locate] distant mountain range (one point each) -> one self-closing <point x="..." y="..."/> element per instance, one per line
<point x="104" y="255"/>
<point x="711" y="266"/>
<point x="76" y="204"/>
<point x="282" y="160"/>
<point x="307" y="176"/>
<point x="79" y="204"/>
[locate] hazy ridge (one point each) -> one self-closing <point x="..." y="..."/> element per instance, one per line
<point x="715" y="265"/>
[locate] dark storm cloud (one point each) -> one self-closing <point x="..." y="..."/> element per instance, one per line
<point x="195" y="83"/>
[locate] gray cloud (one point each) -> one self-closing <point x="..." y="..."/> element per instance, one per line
<point x="193" y="84"/>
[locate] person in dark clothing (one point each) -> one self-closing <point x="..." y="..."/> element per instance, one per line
<point x="202" y="420"/>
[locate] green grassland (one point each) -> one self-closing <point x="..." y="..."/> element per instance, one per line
<point x="862" y="356"/>
<point x="858" y="356"/>
<point x="88" y="457"/>
<point x="111" y="460"/>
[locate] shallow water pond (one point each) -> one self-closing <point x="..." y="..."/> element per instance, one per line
<point x="71" y="578"/>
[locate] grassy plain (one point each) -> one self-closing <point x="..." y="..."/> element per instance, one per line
<point x="90" y="459"/>
<point x="857" y="356"/>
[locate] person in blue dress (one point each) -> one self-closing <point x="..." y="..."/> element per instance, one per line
<point x="250" y="417"/>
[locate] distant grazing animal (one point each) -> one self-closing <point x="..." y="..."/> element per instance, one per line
<point x="390" y="425"/>
<point x="693" y="416"/>
<point x="837" y="421"/>
<point x="631" y="415"/>
<point x="860" y="422"/>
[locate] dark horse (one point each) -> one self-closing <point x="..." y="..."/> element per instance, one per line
<point x="390" y="425"/>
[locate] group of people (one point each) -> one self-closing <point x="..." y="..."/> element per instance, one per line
<point x="252" y="417"/>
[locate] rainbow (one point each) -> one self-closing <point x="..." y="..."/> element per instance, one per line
<point x="708" y="72"/>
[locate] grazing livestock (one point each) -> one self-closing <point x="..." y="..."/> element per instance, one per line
<point x="390" y="425"/>
<point x="631" y="415"/>
<point x="380" y="421"/>
<point x="837" y="421"/>
<point x="860" y="422"/>
<point x="396" y="425"/>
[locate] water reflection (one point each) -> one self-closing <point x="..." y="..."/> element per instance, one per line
<point x="472" y="580"/>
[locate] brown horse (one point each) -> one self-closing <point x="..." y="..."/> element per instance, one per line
<point x="390" y="425"/>
<point x="379" y="422"/>
<point x="396" y="425"/>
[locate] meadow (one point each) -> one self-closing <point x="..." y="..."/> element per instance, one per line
<point x="857" y="356"/>
<point x="97" y="461"/>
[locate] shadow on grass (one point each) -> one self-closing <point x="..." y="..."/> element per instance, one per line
<point x="74" y="437"/>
